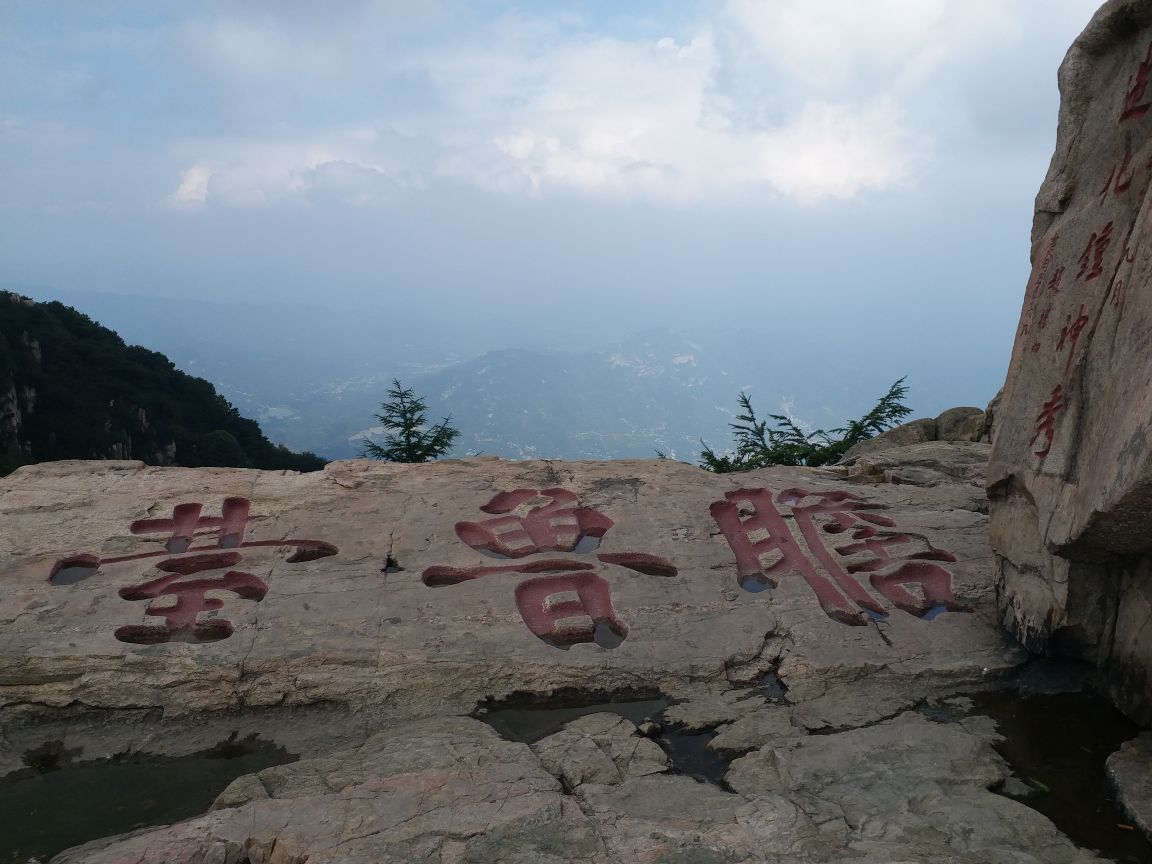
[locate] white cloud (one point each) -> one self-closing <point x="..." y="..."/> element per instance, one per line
<point x="257" y="172"/>
<point x="837" y="151"/>
<point x="837" y="45"/>
<point x="806" y="101"/>
<point x="193" y="189"/>
<point x="349" y="182"/>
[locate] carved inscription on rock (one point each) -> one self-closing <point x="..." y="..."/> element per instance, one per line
<point x="567" y="602"/>
<point x="199" y="556"/>
<point x="767" y="549"/>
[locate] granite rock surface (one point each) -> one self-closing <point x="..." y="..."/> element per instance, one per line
<point x="372" y="611"/>
<point x="1070" y="478"/>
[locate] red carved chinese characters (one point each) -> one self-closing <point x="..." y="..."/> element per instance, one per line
<point x="1070" y="335"/>
<point x="1035" y="286"/>
<point x="1092" y="261"/>
<point x="1117" y="292"/>
<point x="1122" y="177"/>
<point x="183" y="604"/>
<point x="557" y="526"/>
<point x="1046" y="422"/>
<point x="182" y="620"/>
<point x="571" y="604"/>
<point x="1135" y="105"/>
<point x="766" y="549"/>
<point x="229" y="527"/>
<point x="547" y="616"/>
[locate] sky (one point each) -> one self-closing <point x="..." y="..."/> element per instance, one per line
<point x="861" y="173"/>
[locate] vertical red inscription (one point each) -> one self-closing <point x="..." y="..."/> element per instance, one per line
<point x="1122" y="176"/>
<point x="1092" y="261"/>
<point x="1135" y="103"/>
<point x="1046" y="422"/>
<point x="1035" y="285"/>
<point x="1117" y="292"/>
<point x="755" y="530"/>
<point x="571" y="605"/>
<point x="1070" y="335"/>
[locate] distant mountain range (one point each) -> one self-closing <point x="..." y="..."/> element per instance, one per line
<point x="655" y="391"/>
<point x="314" y="377"/>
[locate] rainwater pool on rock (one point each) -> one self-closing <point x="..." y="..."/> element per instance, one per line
<point x="57" y="802"/>
<point x="1057" y="745"/>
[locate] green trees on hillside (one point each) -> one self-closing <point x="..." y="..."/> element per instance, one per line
<point x="220" y="449"/>
<point x="84" y="394"/>
<point x="408" y="437"/>
<point x="758" y="446"/>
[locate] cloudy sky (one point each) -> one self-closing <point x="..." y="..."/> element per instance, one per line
<point x="860" y="170"/>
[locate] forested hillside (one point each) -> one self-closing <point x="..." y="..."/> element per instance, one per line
<point x="71" y="389"/>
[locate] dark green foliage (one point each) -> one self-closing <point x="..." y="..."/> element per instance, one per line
<point x="221" y="449"/>
<point x="408" y="438"/>
<point x="93" y="392"/>
<point x="9" y="462"/>
<point x="757" y="446"/>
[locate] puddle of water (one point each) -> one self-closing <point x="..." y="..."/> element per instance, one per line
<point x="690" y="756"/>
<point x="73" y="570"/>
<point x="1058" y="745"/>
<point x="771" y="687"/>
<point x="57" y="804"/>
<point x="933" y="612"/>
<point x="529" y="718"/>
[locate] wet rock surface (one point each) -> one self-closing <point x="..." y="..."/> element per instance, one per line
<point x="1130" y="770"/>
<point x="452" y="789"/>
<point x="1070" y="478"/>
<point x="702" y="668"/>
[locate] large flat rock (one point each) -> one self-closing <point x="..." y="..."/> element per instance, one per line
<point x="295" y="589"/>
<point x="357" y="616"/>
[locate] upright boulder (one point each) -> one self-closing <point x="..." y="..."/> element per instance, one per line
<point x="1070" y="478"/>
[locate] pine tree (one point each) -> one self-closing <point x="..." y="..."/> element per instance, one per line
<point x="408" y="437"/>
<point x="757" y="446"/>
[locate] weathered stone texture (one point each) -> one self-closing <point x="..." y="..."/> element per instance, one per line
<point x="363" y="610"/>
<point x="361" y="627"/>
<point x="1070" y="479"/>
<point x="955" y="424"/>
<point x="450" y="791"/>
<point x="1130" y="770"/>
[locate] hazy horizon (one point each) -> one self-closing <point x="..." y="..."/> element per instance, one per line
<point x="854" y="180"/>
